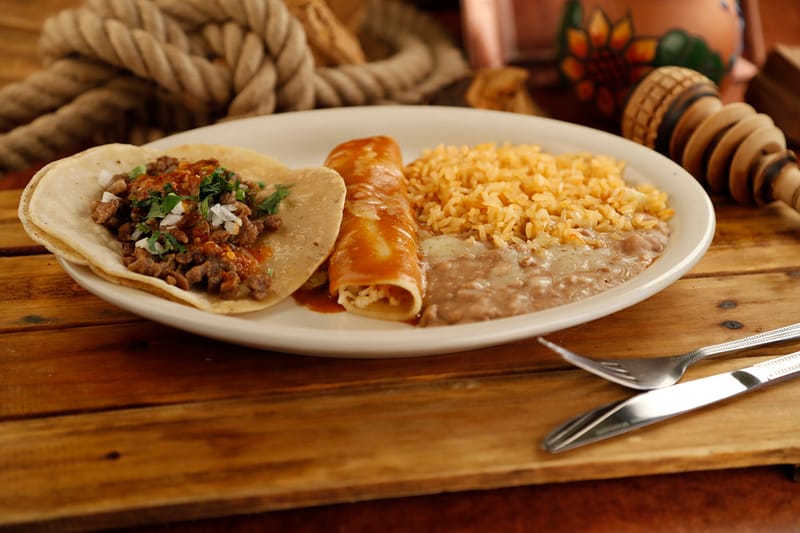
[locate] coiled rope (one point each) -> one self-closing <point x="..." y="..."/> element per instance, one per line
<point x="135" y="70"/>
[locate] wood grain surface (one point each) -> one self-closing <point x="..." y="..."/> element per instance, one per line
<point x="150" y="423"/>
<point x="109" y="421"/>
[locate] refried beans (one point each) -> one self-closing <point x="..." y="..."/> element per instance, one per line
<point x="469" y="281"/>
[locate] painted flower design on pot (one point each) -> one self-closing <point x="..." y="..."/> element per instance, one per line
<point x="602" y="59"/>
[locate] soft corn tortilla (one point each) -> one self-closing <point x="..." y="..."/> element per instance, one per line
<point x="56" y="206"/>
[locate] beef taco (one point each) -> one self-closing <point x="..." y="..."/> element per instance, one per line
<point x="225" y="229"/>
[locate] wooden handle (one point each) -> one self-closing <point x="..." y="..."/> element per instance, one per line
<point x="658" y="102"/>
<point x="728" y="148"/>
<point x="777" y="177"/>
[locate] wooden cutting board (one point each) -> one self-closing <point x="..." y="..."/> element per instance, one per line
<point x="109" y="419"/>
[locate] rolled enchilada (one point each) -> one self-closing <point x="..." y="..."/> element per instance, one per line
<point x="375" y="269"/>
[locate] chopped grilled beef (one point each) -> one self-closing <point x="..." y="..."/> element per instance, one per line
<point x="193" y="225"/>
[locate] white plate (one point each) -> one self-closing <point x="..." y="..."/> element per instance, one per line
<point x="305" y="138"/>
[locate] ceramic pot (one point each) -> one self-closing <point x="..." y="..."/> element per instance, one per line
<point x="606" y="46"/>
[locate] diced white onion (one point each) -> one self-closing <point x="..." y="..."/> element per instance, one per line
<point x="107" y="197"/>
<point x="222" y="214"/>
<point x="170" y="220"/>
<point x="232" y="227"/>
<point x="104" y="178"/>
<point x="174" y="216"/>
<point x="178" y="209"/>
<point x="156" y="248"/>
<point x="136" y="234"/>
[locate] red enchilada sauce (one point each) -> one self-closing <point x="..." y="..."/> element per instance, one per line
<point x="318" y="299"/>
<point x="381" y="248"/>
<point x="375" y="266"/>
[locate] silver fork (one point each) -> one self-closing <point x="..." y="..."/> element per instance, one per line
<point x="655" y="372"/>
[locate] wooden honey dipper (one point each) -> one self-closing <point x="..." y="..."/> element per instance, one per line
<point x="727" y="147"/>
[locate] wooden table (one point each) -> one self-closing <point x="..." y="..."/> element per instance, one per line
<point x="110" y="421"/>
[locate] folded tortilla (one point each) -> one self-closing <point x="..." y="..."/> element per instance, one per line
<point x="375" y="268"/>
<point x="56" y="207"/>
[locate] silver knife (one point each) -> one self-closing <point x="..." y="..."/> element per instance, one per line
<point x="653" y="406"/>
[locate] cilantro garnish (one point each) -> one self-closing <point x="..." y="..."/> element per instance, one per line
<point x="162" y="207"/>
<point x="168" y="242"/>
<point x="147" y="202"/>
<point x="204" y="208"/>
<point x="221" y="181"/>
<point x="216" y="183"/>
<point x="159" y="205"/>
<point x="169" y="203"/>
<point x="269" y="205"/>
<point x="136" y="172"/>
